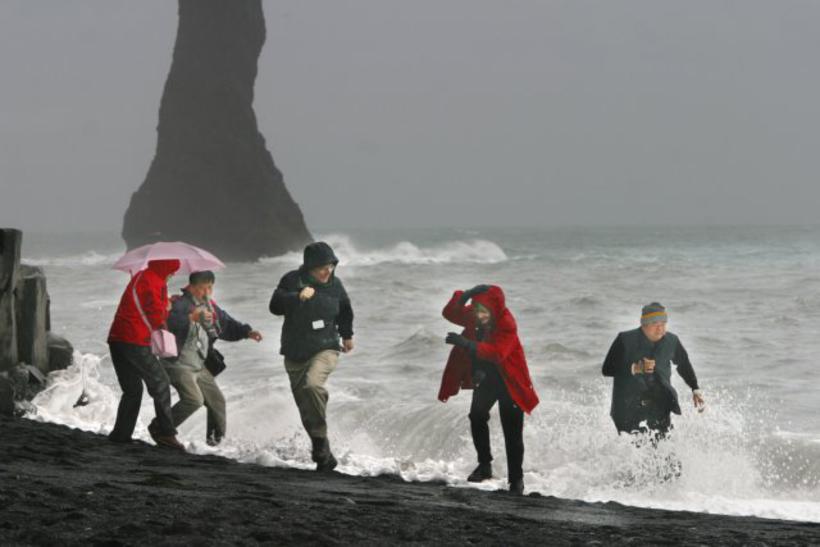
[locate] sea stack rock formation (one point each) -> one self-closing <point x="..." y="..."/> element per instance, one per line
<point x="213" y="182"/>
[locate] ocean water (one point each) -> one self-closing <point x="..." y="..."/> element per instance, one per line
<point x="745" y="302"/>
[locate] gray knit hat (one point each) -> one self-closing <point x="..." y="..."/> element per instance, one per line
<point x="653" y="313"/>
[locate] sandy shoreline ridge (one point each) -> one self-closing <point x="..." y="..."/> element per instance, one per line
<point x="65" y="486"/>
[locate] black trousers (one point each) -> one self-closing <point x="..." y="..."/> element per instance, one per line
<point x="649" y="415"/>
<point x="135" y="365"/>
<point x="493" y="389"/>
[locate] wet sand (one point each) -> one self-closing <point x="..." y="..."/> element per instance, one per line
<point x="61" y="486"/>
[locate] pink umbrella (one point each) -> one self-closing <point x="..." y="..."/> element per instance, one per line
<point x="192" y="259"/>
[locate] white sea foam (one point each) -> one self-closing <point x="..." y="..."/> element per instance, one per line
<point x="56" y="402"/>
<point x="476" y="251"/>
<point x="754" y="451"/>
<point x="90" y="258"/>
<point x="571" y="450"/>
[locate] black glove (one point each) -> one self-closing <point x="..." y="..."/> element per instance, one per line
<point x="469" y="293"/>
<point x="460" y="341"/>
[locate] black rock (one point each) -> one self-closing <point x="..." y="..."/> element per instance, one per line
<point x="60" y="352"/>
<point x="212" y="182"/>
<point x="6" y="396"/>
<point x="32" y="311"/>
<point x="27" y="381"/>
<point x="10" y="241"/>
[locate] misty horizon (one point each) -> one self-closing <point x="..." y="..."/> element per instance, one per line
<point x="464" y="114"/>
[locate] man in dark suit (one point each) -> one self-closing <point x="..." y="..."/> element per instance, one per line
<point x="640" y="362"/>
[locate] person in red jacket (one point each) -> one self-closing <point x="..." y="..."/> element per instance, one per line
<point x="488" y="358"/>
<point x="130" y="343"/>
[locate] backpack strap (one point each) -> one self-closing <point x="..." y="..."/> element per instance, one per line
<point x="137" y="302"/>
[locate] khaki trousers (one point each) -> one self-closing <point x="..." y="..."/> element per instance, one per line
<point x="197" y="388"/>
<point x="307" y="382"/>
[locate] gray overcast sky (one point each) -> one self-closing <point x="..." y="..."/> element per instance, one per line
<point x="439" y="112"/>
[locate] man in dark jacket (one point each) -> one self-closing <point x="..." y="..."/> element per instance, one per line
<point x="197" y="322"/>
<point x="640" y="362"/>
<point x="318" y="324"/>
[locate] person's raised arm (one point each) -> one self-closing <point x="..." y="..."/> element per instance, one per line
<point x="456" y="311"/>
<point x="285" y="298"/>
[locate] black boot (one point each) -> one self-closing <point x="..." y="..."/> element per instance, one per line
<point x="322" y="455"/>
<point x="328" y="464"/>
<point x="483" y="472"/>
<point x="517" y="487"/>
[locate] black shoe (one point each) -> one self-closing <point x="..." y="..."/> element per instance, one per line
<point x="322" y="455"/>
<point x="328" y="464"/>
<point x="517" y="487"/>
<point x="483" y="472"/>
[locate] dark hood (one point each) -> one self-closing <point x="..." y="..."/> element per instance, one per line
<point x="318" y="254"/>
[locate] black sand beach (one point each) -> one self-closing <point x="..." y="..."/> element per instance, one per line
<point x="61" y="486"/>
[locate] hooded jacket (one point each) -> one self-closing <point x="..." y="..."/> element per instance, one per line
<point x="316" y="324"/>
<point x="128" y="326"/>
<point x="500" y="346"/>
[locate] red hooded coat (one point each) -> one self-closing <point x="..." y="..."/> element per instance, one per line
<point x="152" y="291"/>
<point x="500" y="346"/>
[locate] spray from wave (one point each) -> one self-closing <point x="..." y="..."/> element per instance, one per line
<point x="722" y="464"/>
<point x="89" y="258"/>
<point x="755" y="451"/>
<point x="475" y="251"/>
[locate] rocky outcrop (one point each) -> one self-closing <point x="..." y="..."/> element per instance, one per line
<point x="28" y="351"/>
<point x="212" y="182"/>
<point x="10" y="241"/>
<point x="60" y="352"/>
<point x="31" y="314"/>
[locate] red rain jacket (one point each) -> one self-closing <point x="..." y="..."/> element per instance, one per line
<point x="500" y="346"/>
<point x="152" y="291"/>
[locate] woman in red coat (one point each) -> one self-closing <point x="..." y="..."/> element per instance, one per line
<point x="488" y="358"/>
<point x="130" y="343"/>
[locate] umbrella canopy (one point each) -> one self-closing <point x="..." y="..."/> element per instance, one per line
<point x="192" y="259"/>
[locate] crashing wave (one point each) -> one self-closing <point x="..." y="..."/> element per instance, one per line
<point x="476" y="251"/>
<point x="90" y="258"/>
